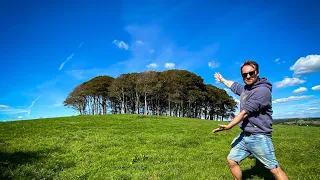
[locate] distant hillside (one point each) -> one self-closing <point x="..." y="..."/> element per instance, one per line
<point x="299" y="121"/>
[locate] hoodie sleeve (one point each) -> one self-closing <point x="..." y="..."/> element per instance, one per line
<point x="259" y="99"/>
<point x="237" y="88"/>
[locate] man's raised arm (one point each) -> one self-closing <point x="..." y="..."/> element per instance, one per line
<point x="219" y="78"/>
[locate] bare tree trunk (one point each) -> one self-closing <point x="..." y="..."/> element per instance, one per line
<point x="122" y="103"/>
<point x="158" y="108"/>
<point x="137" y="103"/>
<point x="169" y="107"/>
<point x="145" y="104"/>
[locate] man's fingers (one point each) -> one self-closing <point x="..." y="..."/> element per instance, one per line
<point x="218" y="129"/>
<point x="222" y="125"/>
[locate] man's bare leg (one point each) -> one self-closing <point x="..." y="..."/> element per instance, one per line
<point x="279" y="174"/>
<point x="235" y="169"/>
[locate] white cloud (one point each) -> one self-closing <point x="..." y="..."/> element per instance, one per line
<point x="57" y="105"/>
<point x="306" y="65"/>
<point x="4" y="106"/>
<point x="291" y="98"/>
<point x="77" y="74"/>
<point x="317" y="102"/>
<point x="80" y="45"/>
<point x="139" y="42"/>
<point x="151" y="51"/>
<point x="13" y="111"/>
<point x="300" y="90"/>
<point x="213" y="64"/>
<point x="121" y="44"/>
<point x="312" y="109"/>
<point x="70" y="57"/>
<point x="289" y="82"/>
<point x="152" y="65"/>
<point x="169" y="65"/>
<point x="227" y="90"/>
<point x="20" y="117"/>
<point x="316" y="88"/>
<point x="277" y="60"/>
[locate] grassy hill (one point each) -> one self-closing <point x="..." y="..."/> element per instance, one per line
<point x="142" y="147"/>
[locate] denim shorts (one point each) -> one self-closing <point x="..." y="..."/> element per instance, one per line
<point x="259" y="145"/>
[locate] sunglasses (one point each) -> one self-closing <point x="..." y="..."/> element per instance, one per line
<point x="251" y="73"/>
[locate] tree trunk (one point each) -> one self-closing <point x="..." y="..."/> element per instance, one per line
<point x="137" y="103"/>
<point x="145" y="104"/>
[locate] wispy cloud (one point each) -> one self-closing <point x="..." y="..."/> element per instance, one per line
<point x="139" y="42"/>
<point x="213" y="64"/>
<point x="306" y="65"/>
<point x="316" y="88"/>
<point x="292" y="98"/>
<point x="80" y="45"/>
<point x="312" y="109"/>
<point x="300" y="90"/>
<point x="278" y="61"/>
<point x="77" y="74"/>
<point x="86" y="74"/>
<point x="317" y="102"/>
<point x="121" y="44"/>
<point x="169" y="65"/>
<point x="4" y="106"/>
<point x="62" y="65"/>
<point x="152" y="65"/>
<point x="151" y="51"/>
<point x="30" y="107"/>
<point x="13" y="111"/>
<point x="20" y="117"/>
<point x="289" y="82"/>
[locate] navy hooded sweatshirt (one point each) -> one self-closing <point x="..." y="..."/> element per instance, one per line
<point x="256" y="100"/>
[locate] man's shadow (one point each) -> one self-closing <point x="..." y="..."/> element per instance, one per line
<point x="257" y="170"/>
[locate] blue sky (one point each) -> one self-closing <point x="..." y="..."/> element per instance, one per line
<point x="49" y="47"/>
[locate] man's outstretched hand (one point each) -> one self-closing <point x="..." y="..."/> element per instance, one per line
<point x="221" y="128"/>
<point x="218" y="77"/>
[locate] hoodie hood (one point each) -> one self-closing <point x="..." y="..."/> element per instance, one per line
<point x="261" y="82"/>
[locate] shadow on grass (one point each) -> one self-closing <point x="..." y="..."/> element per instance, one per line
<point x="10" y="162"/>
<point x="257" y="170"/>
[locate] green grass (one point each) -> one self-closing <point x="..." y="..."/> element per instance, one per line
<point x="140" y="147"/>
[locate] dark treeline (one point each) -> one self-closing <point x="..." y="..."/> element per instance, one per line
<point x="169" y="93"/>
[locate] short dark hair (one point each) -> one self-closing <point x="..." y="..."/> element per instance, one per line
<point x="250" y="63"/>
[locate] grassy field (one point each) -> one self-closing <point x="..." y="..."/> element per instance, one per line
<point x="142" y="147"/>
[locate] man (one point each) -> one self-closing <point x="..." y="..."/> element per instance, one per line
<point x="255" y="120"/>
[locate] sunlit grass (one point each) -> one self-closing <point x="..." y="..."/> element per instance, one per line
<point x="142" y="147"/>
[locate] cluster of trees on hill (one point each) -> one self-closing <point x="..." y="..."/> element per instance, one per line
<point x="170" y="93"/>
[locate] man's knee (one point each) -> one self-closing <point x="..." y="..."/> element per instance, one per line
<point x="279" y="174"/>
<point x="232" y="163"/>
<point x="276" y="171"/>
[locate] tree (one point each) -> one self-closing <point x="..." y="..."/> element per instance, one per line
<point x="146" y="84"/>
<point x="77" y="99"/>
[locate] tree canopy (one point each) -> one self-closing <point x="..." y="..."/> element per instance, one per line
<point x="169" y="93"/>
